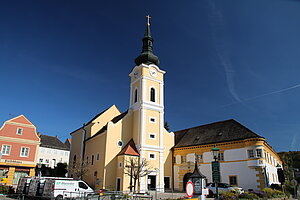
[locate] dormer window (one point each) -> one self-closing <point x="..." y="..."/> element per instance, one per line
<point x="19" y="131"/>
<point x="152" y="94"/>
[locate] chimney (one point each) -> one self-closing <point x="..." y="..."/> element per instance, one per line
<point x="56" y="136"/>
<point x="39" y="134"/>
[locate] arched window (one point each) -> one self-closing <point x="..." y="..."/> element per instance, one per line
<point x="92" y="160"/>
<point x="135" y="96"/>
<point x="152" y="94"/>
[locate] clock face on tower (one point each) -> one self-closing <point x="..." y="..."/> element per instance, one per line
<point x="153" y="72"/>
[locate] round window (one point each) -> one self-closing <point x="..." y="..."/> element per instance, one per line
<point x="120" y="143"/>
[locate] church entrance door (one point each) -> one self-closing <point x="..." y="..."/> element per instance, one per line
<point x="151" y="182"/>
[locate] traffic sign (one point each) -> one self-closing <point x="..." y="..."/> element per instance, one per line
<point x="205" y="191"/>
<point x="294" y="182"/>
<point x="189" y="189"/>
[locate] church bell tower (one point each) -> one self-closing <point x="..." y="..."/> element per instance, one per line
<point x="147" y="106"/>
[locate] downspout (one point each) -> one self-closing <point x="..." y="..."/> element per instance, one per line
<point x="172" y="169"/>
<point x="82" y="148"/>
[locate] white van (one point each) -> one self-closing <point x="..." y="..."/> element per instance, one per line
<point x="61" y="189"/>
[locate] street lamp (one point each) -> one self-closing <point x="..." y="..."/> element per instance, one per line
<point x="215" y="152"/>
<point x="215" y="168"/>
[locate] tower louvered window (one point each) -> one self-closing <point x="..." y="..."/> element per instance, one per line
<point x="152" y="94"/>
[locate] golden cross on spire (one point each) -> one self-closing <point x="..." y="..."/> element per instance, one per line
<point x="148" y="20"/>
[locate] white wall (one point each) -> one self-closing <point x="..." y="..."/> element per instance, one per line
<point x="235" y="164"/>
<point x="48" y="154"/>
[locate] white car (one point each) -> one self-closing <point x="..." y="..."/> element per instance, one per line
<point x="224" y="187"/>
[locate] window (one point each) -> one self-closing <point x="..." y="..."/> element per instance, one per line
<point x="54" y="152"/>
<point x="135" y="96"/>
<point x="92" y="159"/>
<point x="54" y="162"/>
<point x="152" y="94"/>
<point x="120" y="143"/>
<point x="120" y="164"/>
<point x="66" y="153"/>
<point x="19" y="131"/>
<point x="41" y="160"/>
<point x="47" y="160"/>
<point x="221" y="156"/>
<point x="250" y="153"/>
<point x="24" y="152"/>
<point x="183" y="159"/>
<point x="83" y="185"/>
<point x="232" y="180"/>
<point x="152" y="136"/>
<point x="199" y="157"/>
<point x="5" y="149"/>
<point x="152" y="156"/>
<point x="42" y="150"/>
<point x="98" y="157"/>
<point x="152" y="119"/>
<point x="259" y="153"/>
<point x="87" y="160"/>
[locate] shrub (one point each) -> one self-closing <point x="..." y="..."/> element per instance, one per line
<point x="228" y="195"/>
<point x="248" y="195"/>
<point x="270" y="193"/>
<point x="258" y="193"/>
<point x="5" y="189"/>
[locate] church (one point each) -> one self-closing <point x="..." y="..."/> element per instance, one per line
<point x="106" y="143"/>
<point x="111" y="138"/>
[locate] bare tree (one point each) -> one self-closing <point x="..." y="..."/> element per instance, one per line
<point x="136" y="168"/>
<point x="79" y="169"/>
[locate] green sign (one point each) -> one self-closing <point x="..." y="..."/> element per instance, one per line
<point x="215" y="171"/>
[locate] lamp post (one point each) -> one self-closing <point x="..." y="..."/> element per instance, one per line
<point x="216" y="168"/>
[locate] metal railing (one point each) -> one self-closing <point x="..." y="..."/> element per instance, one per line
<point x="154" y="193"/>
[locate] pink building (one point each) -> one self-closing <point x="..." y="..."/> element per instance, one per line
<point x="19" y="143"/>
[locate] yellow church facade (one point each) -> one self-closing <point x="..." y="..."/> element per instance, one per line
<point x="111" y="138"/>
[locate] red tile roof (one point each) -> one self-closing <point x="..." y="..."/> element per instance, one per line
<point x="129" y="149"/>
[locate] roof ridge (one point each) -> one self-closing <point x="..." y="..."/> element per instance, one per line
<point x="206" y="125"/>
<point x="95" y="117"/>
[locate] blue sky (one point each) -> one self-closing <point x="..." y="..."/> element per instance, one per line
<point x="63" y="62"/>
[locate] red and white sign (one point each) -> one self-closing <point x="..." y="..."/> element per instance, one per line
<point x="189" y="188"/>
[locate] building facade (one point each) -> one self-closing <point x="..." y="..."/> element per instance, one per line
<point x="52" y="151"/>
<point x="19" y="146"/>
<point x="111" y="138"/>
<point x="246" y="159"/>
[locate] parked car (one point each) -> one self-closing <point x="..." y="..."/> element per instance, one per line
<point x="223" y="187"/>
